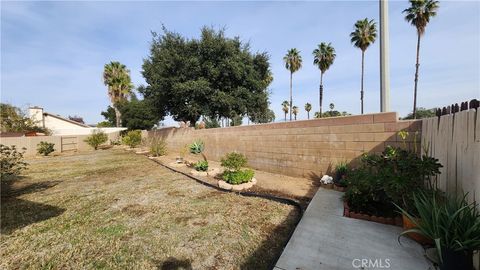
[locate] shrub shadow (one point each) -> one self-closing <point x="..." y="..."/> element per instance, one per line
<point x="175" y="264"/>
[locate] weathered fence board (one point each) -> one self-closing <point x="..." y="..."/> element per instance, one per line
<point x="455" y="140"/>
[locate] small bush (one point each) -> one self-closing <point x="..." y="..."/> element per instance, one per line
<point x="45" y="148"/>
<point x="197" y="147"/>
<point x="238" y="177"/>
<point x="341" y="171"/>
<point x="234" y="161"/>
<point x="11" y="162"/>
<point x="97" y="138"/>
<point x="201" y="166"/>
<point x="133" y="138"/>
<point x="158" y="147"/>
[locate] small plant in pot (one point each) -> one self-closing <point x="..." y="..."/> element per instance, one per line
<point x="452" y="223"/>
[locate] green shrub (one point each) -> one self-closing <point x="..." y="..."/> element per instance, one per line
<point x="11" y="162"/>
<point x="197" y="147"/>
<point x="45" y="148"/>
<point x="201" y="166"/>
<point x="97" y="138"/>
<point x="341" y="171"/>
<point x="234" y="161"/>
<point x="133" y="138"/>
<point x="238" y="177"/>
<point x="388" y="178"/>
<point x="158" y="146"/>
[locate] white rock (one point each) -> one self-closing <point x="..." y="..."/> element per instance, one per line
<point x="247" y="185"/>
<point x="326" y="179"/>
<point x="238" y="187"/>
<point x="254" y="181"/>
<point x="224" y="185"/>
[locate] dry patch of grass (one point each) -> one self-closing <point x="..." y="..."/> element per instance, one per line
<point x="115" y="210"/>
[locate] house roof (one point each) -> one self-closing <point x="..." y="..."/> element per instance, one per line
<point x="65" y="119"/>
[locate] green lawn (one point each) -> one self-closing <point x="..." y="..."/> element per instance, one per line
<point x="110" y="209"/>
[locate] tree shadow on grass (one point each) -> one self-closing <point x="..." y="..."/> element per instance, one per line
<point x="17" y="213"/>
<point x="175" y="264"/>
<point x="269" y="251"/>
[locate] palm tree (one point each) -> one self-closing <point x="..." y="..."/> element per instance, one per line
<point x="308" y="108"/>
<point x="285" y="105"/>
<point x="419" y="14"/>
<point x="364" y="34"/>
<point x="116" y="77"/>
<point x="332" y="106"/>
<point x="295" y="111"/>
<point x="293" y="62"/>
<point x="323" y="57"/>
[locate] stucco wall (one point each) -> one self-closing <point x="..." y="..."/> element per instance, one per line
<point x="62" y="143"/>
<point x="306" y="148"/>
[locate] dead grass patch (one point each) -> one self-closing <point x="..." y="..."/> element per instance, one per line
<point x="115" y="210"/>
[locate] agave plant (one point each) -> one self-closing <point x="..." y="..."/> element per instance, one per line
<point x="451" y="222"/>
<point x="197" y="147"/>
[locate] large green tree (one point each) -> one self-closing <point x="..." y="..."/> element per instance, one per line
<point x="323" y="58"/>
<point x="419" y="14"/>
<point x="135" y="114"/>
<point x="116" y="77"/>
<point x="293" y="62"/>
<point x="13" y="119"/>
<point x="362" y="37"/>
<point x="212" y="76"/>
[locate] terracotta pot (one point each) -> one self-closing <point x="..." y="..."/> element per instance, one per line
<point x="329" y="186"/>
<point x="422" y="240"/>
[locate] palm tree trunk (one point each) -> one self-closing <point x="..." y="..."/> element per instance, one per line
<point x="308" y="115"/>
<point x="417" y="65"/>
<point x="361" y="89"/>
<point x="321" y="93"/>
<point x="285" y="117"/>
<point x="295" y="117"/>
<point x="118" y="116"/>
<point x="291" y="99"/>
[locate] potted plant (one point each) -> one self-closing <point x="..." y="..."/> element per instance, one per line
<point x="327" y="181"/>
<point x="452" y="223"/>
<point x="340" y="181"/>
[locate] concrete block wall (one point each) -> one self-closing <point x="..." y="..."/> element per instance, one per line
<point x="308" y="148"/>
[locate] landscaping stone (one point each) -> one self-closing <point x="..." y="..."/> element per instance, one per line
<point x="213" y="172"/>
<point x="224" y="185"/>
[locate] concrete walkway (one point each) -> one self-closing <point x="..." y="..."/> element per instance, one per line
<point x="324" y="239"/>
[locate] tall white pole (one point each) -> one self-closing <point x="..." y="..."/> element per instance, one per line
<point x="384" y="58"/>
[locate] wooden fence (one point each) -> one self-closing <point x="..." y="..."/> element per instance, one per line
<point x="454" y="138"/>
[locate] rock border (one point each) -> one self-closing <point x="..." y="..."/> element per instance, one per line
<point x="397" y="221"/>
<point x="224" y="185"/>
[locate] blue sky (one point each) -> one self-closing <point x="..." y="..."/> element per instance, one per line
<point x="53" y="53"/>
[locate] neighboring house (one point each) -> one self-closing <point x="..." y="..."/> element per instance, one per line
<point x="63" y="126"/>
